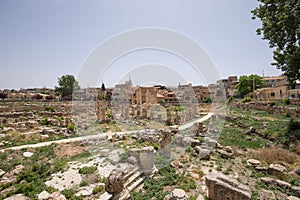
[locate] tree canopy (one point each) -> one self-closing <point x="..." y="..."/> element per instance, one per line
<point x="3" y="95"/>
<point x="67" y="84"/>
<point x="246" y="84"/>
<point x="281" y="27"/>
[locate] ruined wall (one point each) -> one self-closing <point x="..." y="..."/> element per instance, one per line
<point x="270" y="108"/>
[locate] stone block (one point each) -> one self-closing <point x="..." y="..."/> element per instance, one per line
<point x="224" y="187"/>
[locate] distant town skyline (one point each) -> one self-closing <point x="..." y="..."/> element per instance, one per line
<point x="43" y="40"/>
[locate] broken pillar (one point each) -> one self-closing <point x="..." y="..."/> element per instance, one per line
<point x="146" y="159"/>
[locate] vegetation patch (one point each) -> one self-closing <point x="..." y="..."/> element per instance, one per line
<point x="276" y="155"/>
<point x="87" y="170"/>
<point x="167" y="177"/>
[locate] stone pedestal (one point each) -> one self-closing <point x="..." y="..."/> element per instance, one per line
<point x="146" y="159"/>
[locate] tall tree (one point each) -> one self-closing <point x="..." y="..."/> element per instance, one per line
<point x="3" y="95"/>
<point x="67" y="84"/>
<point x="281" y="26"/>
<point x="103" y="87"/>
<point x="247" y="84"/>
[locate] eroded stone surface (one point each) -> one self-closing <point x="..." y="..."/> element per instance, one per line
<point x="57" y="196"/>
<point x="27" y="154"/>
<point x="253" y="162"/>
<point x="293" y="198"/>
<point x="276" y="169"/>
<point x="115" y="182"/>
<point x="65" y="180"/>
<point x="17" y="197"/>
<point x="177" y="194"/>
<point x="266" y="195"/>
<point x="43" y="195"/>
<point x="224" y="187"/>
<point x="296" y="191"/>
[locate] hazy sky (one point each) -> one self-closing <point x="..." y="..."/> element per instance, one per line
<point x="40" y="40"/>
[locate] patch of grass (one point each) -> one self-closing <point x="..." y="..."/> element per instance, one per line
<point x="246" y="99"/>
<point x="286" y="101"/>
<point x="81" y="156"/>
<point x="59" y="164"/>
<point x="235" y="137"/>
<point x="69" y="194"/>
<point x="228" y="170"/>
<point x="140" y="144"/>
<point x="83" y="183"/>
<point x="45" y="121"/>
<point x="71" y="127"/>
<point x="49" y="108"/>
<point x="87" y="170"/>
<point x="98" y="189"/>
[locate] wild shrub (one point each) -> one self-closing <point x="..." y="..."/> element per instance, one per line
<point x="87" y="170"/>
<point x="286" y="101"/>
<point x="246" y="99"/>
<point x="98" y="189"/>
<point x="293" y="129"/>
<point x="71" y="127"/>
<point x="168" y="177"/>
<point x="276" y="155"/>
<point x="45" y="121"/>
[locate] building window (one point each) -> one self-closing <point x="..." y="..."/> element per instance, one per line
<point x="272" y="94"/>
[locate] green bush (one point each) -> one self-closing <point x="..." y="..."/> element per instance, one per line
<point x="83" y="183"/>
<point x="246" y="99"/>
<point x="230" y="99"/>
<point x="59" y="165"/>
<point x="208" y="100"/>
<point x="60" y="118"/>
<point x="87" y="170"/>
<point x="49" y="108"/>
<point x="71" y="127"/>
<point x="293" y="129"/>
<point x="178" y="108"/>
<point x="98" y="189"/>
<point x="109" y="115"/>
<point x="286" y="101"/>
<point x="45" y="121"/>
<point x="69" y="194"/>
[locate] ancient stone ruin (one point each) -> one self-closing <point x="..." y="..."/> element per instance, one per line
<point x="221" y="186"/>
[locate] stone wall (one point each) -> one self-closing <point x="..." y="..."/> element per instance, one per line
<point x="270" y="108"/>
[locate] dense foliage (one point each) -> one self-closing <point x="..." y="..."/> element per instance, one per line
<point x="246" y="84"/>
<point x="67" y="84"/>
<point x="281" y="27"/>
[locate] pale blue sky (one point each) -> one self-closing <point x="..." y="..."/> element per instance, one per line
<point x="40" y="40"/>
